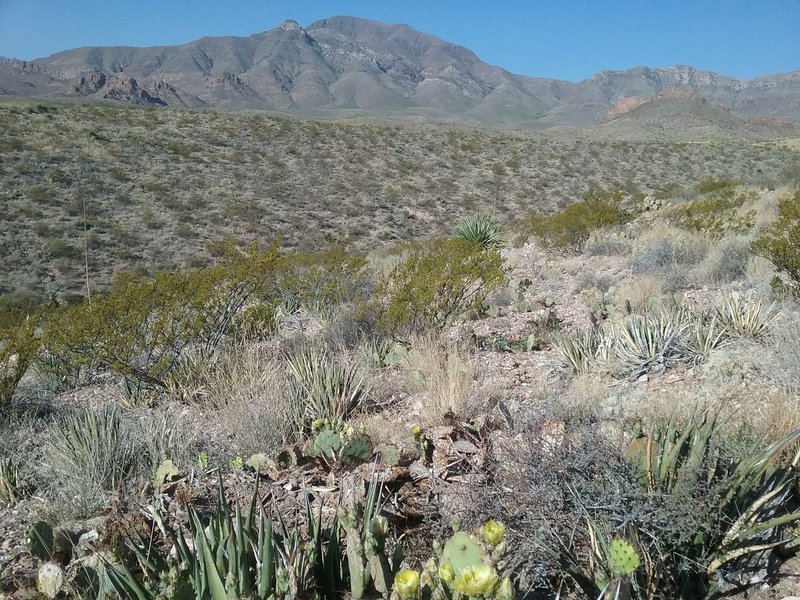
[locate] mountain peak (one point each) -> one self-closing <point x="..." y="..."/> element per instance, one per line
<point x="291" y="25"/>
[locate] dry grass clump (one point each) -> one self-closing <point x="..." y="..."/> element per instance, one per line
<point x="251" y="401"/>
<point x="85" y="457"/>
<point x="668" y="247"/>
<point x="726" y="262"/>
<point x="445" y="375"/>
<point x="782" y="365"/>
<point x="641" y="292"/>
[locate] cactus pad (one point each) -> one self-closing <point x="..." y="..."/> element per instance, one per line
<point x="623" y="559"/>
<point x="461" y="551"/>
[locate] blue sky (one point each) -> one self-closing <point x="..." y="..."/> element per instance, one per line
<point x="565" y="39"/>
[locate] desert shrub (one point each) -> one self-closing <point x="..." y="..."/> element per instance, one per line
<point x="664" y="254"/>
<point x="780" y="244"/>
<point x="571" y="228"/>
<point x="727" y="261"/>
<point x="249" y="395"/>
<point x="482" y="230"/>
<point x="573" y="493"/>
<point x="783" y="365"/>
<point x="143" y="325"/>
<point x="715" y="213"/>
<point x="437" y="282"/>
<point x="19" y="346"/>
<point x="320" y="279"/>
<point x="714" y="185"/>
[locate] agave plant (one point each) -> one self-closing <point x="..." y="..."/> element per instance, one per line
<point x="245" y="554"/>
<point x="749" y="508"/>
<point x="753" y="494"/>
<point x="645" y="342"/>
<point x="482" y="230"/>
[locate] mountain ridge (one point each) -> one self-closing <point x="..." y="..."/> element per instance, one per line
<point x="348" y="65"/>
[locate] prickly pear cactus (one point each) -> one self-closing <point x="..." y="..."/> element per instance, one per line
<point x="358" y="449"/>
<point x="623" y="559"/>
<point x="41" y="541"/>
<point x="326" y="443"/>
<point x="461" y="551"/>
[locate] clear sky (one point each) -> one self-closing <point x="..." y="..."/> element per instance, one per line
<point x="564" y="39"/>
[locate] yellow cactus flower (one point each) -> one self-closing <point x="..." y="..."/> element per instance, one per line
<point x="406" y="582"/>
<point x="476" y="580"/>
<point x="416" y="431"/>
<point x="446" y="573"/>
<point x="492" y="532"/>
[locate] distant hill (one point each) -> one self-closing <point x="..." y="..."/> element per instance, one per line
<point x="349" y="66"/>
<point x="682" y="116"/>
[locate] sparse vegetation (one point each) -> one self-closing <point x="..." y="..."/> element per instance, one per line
<point x="780" y="243"/>
<point x="603" y="411"/>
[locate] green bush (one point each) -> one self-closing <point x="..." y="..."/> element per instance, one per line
<point x="320" y="279"/>
<point x="19" y="345"/>
<point x="143" y="325"/>
<point x="780" y="244"/>
<point x="715" y="213"/>
<point x="437" y="282"/>
<point x="569" y="229"/>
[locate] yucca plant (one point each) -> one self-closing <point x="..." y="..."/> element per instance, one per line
<point x="645" y="342"/>
<point x="579" y="352"/>
<point x="483" y="230"/>
<point x="746" y="315"/>
<point x="86" y="457"/>
<point x="327" y="388"/>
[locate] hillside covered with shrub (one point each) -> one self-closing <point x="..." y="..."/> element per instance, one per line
<point x="572" y="371"/>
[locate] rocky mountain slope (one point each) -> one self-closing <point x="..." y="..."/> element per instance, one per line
<point x="347" y="66"/>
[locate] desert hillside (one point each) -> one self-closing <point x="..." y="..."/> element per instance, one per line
<point x="255" y="356"/>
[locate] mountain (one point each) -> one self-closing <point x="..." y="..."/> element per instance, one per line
<point x="351" y="66"/>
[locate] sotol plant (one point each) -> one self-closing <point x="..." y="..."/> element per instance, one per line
<point x="481" y="230"/>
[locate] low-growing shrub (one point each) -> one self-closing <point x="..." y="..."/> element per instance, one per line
<point x="715" y="213"/>
<point x="437" y="282"/>
<point x="571" y="228"/>
<point x="19" y="345"/>
<point x="142" y="327"/>
<point x="727" y="261"/>
<point x="780" y="244"/>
